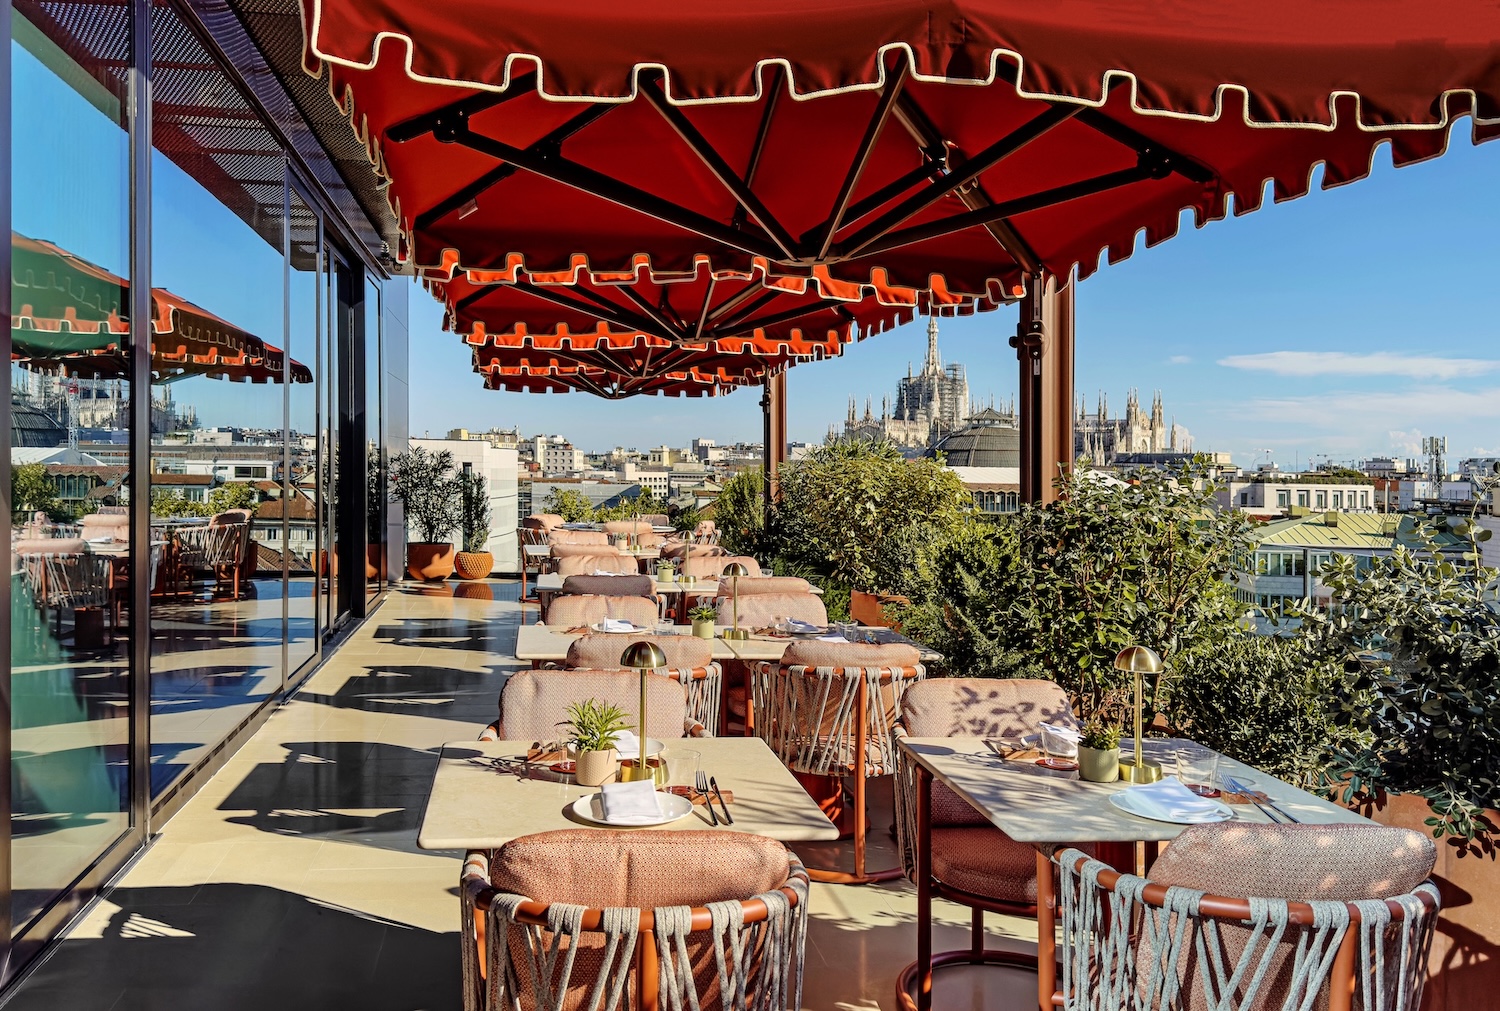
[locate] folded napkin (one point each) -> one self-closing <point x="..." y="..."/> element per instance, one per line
<point x="1171" y="800"/>
<point x="832" y="638"/>
<point x="1062" y="730"/>
<point x="801" y="627"/>
<point x="617" y="625"/>
<point x="629" y="803"/>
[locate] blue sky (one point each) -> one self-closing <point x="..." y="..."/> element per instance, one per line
<point x="1349" y="323"/>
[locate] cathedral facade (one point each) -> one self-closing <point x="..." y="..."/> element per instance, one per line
<point x="1101" y="439"/>
<point x="929" y="404"/>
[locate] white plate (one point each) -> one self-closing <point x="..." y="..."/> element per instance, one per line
<point x="673" y="808"/>
<point x="598" y="626"/>
<point x="653" y="748"/>
<point x="1125" y="801"/>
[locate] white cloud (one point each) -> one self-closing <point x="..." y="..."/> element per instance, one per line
<point x="1179" y="360"/>
<point x="1373" y="411"/>
<point x="1409" y="443"/>
<point x="1374" y="363"/>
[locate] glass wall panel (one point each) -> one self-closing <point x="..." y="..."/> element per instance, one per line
<point x="218" y="412"/>
<point x="374" y="451"/>
<point x="304" y="314"/>
<point x="69" y="555"/>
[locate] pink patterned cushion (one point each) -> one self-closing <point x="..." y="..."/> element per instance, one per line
<point x="985" y="861"/>
<point x="627" y="527"/>
<point x="547" y="520"/>
<point x="763" y="584"/>
<point x="687" y="549"/>
<point x="610" y="586"/>
<point x="702" y="565"/>
<point x="760" y="609"/>
<point x="983" y="707"/>
<point x="586" y="609"/>
<point x="811" y="653"/>
<point x="579" y="537"/>
<point x="1297" y="862"/>
<point x="589" y="563"/>
<point x="562" y="549"/>
<point x="600" y="868"/>
<point x="535" y="702"/>
<point x="603" y="651"/>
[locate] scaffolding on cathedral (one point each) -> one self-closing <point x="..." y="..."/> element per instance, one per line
<point x="1101" y="439"/>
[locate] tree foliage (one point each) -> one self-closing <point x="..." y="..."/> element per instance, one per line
<point x="740" y="515"/>
<point x="569" y="503"/>
<point x="474" y="495"/>
<point x="31" y="490"/>
<point x="424" y="484"/>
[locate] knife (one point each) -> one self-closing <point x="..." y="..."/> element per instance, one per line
<point x="1239" y="787"/>
<point x="714" y="785"/>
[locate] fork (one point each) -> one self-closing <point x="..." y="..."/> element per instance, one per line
<point x="701" y="785"/>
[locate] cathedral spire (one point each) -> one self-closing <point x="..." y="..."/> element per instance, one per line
<point x="933" y="364"/>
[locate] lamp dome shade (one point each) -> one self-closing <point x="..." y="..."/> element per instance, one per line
<point x="736" y="569"/>
<point x="1138" y="660"/>
<point x="643" y="654"/>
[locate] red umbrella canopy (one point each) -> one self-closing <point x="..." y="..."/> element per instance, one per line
<point x="795" y="317"/>
<point x="965" y="144"/>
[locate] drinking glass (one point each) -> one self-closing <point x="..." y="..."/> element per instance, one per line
<point x="848" y="629"/>
<point x="665" y="627"/>
<point x="1198" y="769"/>
<point x="682" y="770"/>
<point x="1060" y="752"/>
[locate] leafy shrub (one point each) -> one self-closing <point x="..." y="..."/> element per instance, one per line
<point x="474" y="491"/>
<point x="569" y="503"/>
<point x="740" y="515"/>
<point x="1261" y="700"/>
<point x="424" y="484"/>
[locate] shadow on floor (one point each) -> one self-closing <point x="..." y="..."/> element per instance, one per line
<point x="232" y="946"/>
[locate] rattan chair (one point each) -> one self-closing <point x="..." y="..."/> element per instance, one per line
<point x="690" y="661"/>
<point x="757" y="610"/>
<point x="560" y="537"/>
<point x="1245" y="916"/>
<point x="532" y="566"/>
<point x="973" y="863"/>
<point x="643" y="919"/>
<point x="748" y="585"/>
<point x="534" y="703"/>
<point x="828" y="710"/>
<point x="587" y="609"/>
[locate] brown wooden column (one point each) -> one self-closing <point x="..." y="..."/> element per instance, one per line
<point x="773" y="439"/>
<point x="1044" y="350"/>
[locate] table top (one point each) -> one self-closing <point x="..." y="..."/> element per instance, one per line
<point x="537" y="550"/>
<point x="539" y="642"/>
<point x="1034" y="805"/>
<point x="478" y="804"/>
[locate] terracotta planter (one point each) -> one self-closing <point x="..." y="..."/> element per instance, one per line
<point x="869" y="608"/>
<point x="474" y="591"/>
<point x="374" y="561"/>
<point x="703" y="629"/>
<point x="1098" y="765"/>
<point x="595" y="768"/>
<point x="474" y="564"/>
<point x="1464" y="970"/>
<point x="429" y="561"/>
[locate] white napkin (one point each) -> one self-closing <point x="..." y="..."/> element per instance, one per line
<point x="1169" y="799"/>
<point x="617" y="625"/>
<point x="630" y="803"/>
<point x="801" y="627"/>
<point x="1064" y="731"/>
<point x="832" y="638"/>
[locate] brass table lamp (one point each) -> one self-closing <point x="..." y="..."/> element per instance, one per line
<point x="644" y="657"/>
<point x="1139" y="661"/>
<point x="734" y="570"/>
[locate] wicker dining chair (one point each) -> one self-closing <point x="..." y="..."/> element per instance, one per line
<point x="588" y="564"/>
<point x="690" y="661"/>
<point x="1252" y="916"/>
<point x="644" y="919"/>
<point x="560" y="537"/>
<point x="73" y="582"/>
<point x="748" y="585"/>
<point x="828" y="710"/>
<point x="586" y="609"/>
<point x="973" y="863"/>
<point x="534" y="703"/>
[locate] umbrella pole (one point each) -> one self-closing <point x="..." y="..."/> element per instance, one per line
<point x="1044" y="352"/>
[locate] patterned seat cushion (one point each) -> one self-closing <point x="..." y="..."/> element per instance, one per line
<point x="1297" y="862"/>
<point x="534" y="702"/>
<point x="561" y="537"/>
<point x="701" y="565"/>
<point x="761" y="609"/>
<point x="804" y="653"/>
<point x="762" y="584"/>
<point x="595" y="868"/>
<point x="985" y="861"/>
<point x="586" y="609"/>
<point x="602" y="651"/>
<point x="610" y="586"/>
<point x="589" y="563"/>
<point x="983" y="707"/>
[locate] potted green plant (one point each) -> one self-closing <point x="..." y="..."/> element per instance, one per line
<point x="474" y="562"/>
<point x="1099" y="751"/>
<point x="423" y="483"/>
<point x="703" y="617"/>
<point x="595" y="727"/>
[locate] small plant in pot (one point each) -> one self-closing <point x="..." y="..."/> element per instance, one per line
<point x="1099" y="751"/>
<point x="423" y="483"/>
<point x="474" y="562"/>
<point x="595" y="727"/>
<point x="703" y="617"/>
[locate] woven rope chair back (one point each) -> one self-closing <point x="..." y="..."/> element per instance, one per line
<point x="561" y="922"/>
<point x="534" y="703"/>
<point x="79" y="580"/>
<point x="689" y="661"/>
<point x="1302" y="890"/>
<point x="588" y="609"/>
<point x="807" y="705"/>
